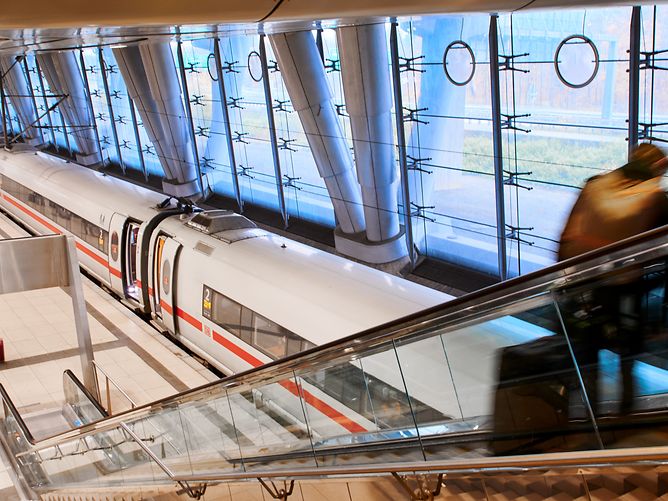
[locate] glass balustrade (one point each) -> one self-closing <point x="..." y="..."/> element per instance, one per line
<point x="568" y="359"/>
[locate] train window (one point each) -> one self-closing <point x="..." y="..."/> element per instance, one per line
<point x="63" y="218"/>
<point x="294" y="345"/>
<point x="307" y="345"/>
<point x="88" y="232"/>
<point x="166" y="274"/>
<point x="35" y="200"/>
<point x="252" y="328"/>
<point x="246" y="329"/>
<point x="226" y="313"/>
<point x="77" y="226"/>
<point x="114" y="246"/>
<point x="269" y="338"/>
<point x="51" y="211"/>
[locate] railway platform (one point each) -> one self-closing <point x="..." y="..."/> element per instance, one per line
<point x="135" y="364"/>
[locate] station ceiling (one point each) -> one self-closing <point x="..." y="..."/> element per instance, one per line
<point x="63" y="24"/>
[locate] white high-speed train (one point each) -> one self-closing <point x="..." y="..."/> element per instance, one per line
<point x="237" y="295"/>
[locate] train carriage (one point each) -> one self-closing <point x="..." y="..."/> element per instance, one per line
<point x="237" y="295"/>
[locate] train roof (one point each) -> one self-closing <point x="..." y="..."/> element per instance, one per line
<point x="88" y="192"/>
<point x="314" y="293"/>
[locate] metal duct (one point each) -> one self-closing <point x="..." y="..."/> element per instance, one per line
<point x="150" y="76"/>
<point x="61" y="70"/>
<point x="305" y="80"/>
<point x="367" y="87"/>
<point x="18" y="91"/>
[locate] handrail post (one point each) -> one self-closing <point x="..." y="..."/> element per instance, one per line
<point x="81" y="321"/>
<point x="108" y="395"/>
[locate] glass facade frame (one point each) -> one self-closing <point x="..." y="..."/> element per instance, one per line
<point x="477" y="172"/>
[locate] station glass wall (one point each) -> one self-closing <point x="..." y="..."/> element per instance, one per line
<point x="467" y="205"/>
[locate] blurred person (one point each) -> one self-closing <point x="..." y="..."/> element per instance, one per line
<point x="619" y="204"/>
<point x="611" y="207"/>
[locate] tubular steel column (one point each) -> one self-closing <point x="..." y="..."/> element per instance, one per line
<point x="103" y="70"/>
<point x="189" y="114"/>
<point x="46" y="103"/>
<point x="498" y="147"/>
<point x="272" y="130"/>
<point x="140" y="153"/>
<point x="90" y="103"/>
<point x="401" y="143"/>
<point x="634" y="78"/>
<point x="228" y="127"/>
<point x="26" y="71"/>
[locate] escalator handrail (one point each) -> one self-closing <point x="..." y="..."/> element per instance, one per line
<point x="582" y="267"/>
<point x="69" y="374"/>
<point x="606" y="458"/>
<point x="17" y="416"/>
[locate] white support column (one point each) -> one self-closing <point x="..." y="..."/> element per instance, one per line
<point x="163" y="80"/>
<point x="150" y="75"/>
<point x="367" y="87"/>
<point x="132" y="69"/>
<point x="19" y="93"/>
<point x="62" y="72"/>
<point x="305" y="80"/>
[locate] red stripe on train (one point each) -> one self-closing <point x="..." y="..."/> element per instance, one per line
<point x="309" y="398"/>
<point x="239" y="352"/>
<point x="44" y="222"/>
<point x="167" y="307"/>
<point x="37" y="218"/>
<point x="323" y="407"/>
<point x="189" y="318"/>
<point x="93" y="255"/>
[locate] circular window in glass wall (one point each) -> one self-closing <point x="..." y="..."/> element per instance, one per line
<point x="459" y="63"/>
<point x="255" y="66"/>
<point x="211" y="67"/>
<point x="114" y="246"/>
<point x="576" y="61"/>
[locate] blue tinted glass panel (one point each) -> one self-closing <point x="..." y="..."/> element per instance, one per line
<point x="448" y="132"/>
<point x="248" y="118"/>
<point x="305" y="193"/>
<point x="100" y="108"/>
<point x="206" y="106"/>
<point x="120" y="104"/>
<point x="557" y="136"/>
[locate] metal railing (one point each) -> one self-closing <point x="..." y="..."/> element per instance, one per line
<point x="193" y="422"/>
<point x="108" y="383"/>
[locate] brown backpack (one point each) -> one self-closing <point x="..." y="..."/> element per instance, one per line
<point x="611" y="207"/>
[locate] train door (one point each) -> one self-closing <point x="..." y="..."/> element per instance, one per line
<point x="116" y="238"/>
<point x="131" y="251"/>
<point x="123" y="256"/>
<point x="165" y="255"/>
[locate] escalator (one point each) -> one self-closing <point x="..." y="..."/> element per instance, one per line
<point x="567" y="366"/>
